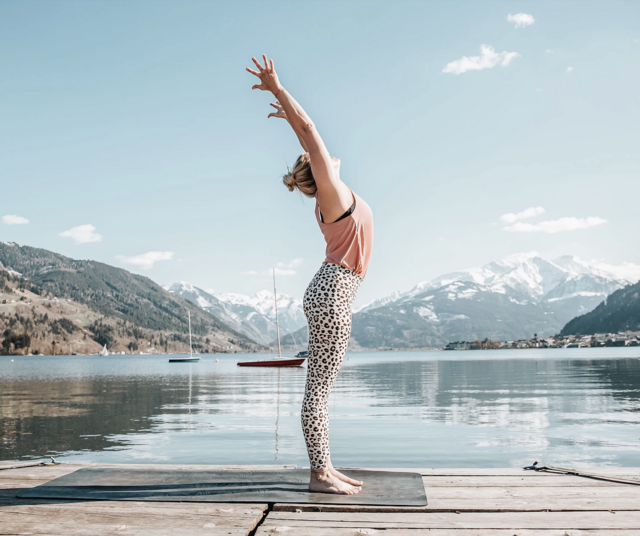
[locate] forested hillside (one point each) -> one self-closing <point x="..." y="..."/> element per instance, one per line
<point x="114" y="306"/>
<point x="619" y="312"/>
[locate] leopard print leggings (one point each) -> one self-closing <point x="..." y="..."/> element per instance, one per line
<point x="327" y="306"/>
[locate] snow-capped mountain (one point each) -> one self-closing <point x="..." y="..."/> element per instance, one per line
<point x="508" y="299"/>
<point x="253" y="316"/>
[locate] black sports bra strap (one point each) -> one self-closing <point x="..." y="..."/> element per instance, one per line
<point x="345" y="215"/>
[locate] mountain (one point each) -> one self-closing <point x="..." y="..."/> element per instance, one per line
<point x="507" y="299"/>
<point x="253" y="316"/>
<point x="619" y="312"/>
<point x="108" y="304"/>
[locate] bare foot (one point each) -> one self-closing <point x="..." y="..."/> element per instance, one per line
<point x="324" y="481"/>
<point x="342" y="476"/>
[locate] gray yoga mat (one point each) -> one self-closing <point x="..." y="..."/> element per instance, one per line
<point x="381" y="488"/>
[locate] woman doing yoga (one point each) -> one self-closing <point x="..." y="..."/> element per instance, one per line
<point x="347" y="225"/>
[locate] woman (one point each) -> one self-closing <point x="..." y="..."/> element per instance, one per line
<point x="347" y="225"/>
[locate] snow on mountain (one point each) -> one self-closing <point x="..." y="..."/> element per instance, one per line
<point x="511" y="298"/>
<point x="253" y="316"/>
<point x="290" y="311"/>
<point x="379" y="302"/>
<point x="564" y="277"/>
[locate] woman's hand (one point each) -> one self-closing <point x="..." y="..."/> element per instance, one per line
<point x="267" y="75"/>
<point x="279" y="111"/>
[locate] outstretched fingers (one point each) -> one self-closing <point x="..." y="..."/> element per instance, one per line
<point x="266" y="62"/>
<point x="253" y="72"/>
<point x="257" y="64"/>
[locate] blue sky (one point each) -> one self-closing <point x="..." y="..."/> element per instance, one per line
<point x="135" y="122"/>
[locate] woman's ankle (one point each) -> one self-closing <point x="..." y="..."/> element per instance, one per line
<point x="319" y="473"/>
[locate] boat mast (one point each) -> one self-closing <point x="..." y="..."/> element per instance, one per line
<point x="275" y="299"/>
<point x="190" y="347"/>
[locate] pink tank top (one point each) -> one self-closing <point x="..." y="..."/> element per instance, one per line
<point x="350" y="240"/>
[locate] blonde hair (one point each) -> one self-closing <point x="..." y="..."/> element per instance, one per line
<point x="300" y="177"/>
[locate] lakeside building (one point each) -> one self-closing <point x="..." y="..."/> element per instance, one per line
<point x="629" y="338"/>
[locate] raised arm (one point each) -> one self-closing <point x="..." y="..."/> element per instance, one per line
<point x="327" y="180"/>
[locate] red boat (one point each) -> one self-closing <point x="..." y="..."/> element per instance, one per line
<point x="285" y="362"/>
<point x="278" y="361"/>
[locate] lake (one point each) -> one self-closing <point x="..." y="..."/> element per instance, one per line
<point x="498" y="408"/>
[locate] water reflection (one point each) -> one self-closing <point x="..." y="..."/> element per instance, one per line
<point x="388" y="409"/>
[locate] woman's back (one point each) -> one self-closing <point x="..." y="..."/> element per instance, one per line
<point x="349" y="240"/>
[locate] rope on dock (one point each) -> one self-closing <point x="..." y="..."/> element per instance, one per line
<point x="39" y="464"/>
<point x="575" y="472"/>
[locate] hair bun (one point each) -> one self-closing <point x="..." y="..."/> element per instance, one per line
<point x="300" y="177"/>
<point x="289" y="181"/>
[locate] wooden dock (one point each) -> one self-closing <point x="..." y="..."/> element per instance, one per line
<point x="462" y="502"/>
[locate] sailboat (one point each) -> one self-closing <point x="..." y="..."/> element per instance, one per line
<point x="192" y="358"/>
<point x="279" y="361"/>
<point x="104" y="352"/>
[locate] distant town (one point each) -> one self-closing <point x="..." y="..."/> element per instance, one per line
<point x="629" y="338"/>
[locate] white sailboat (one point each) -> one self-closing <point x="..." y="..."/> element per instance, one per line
<point x="104" y="352"/>
<point x="192" y="358"/>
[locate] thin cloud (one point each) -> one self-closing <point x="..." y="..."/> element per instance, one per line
<point x="146" y="261"/>
<point x="12" y="219"/>
<point x="569" y="69"/>
<point x="626" y="270"/>
<point x="83" y="234"/>
<point x="282" y="268"/>
<point x="525" y="214"/>
<point x="288" y="268"/>
<point x="488" y="59"/>
<point x="556" y="226"/>
<point x="521" y="19"/>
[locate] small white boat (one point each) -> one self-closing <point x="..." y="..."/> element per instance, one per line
<point x="192" y="358"/>
<point x="104" y="352"/>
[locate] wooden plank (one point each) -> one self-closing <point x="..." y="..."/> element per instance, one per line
<point x="96" y="518"/>
<point x="538" y="480"/>
<point x="123" y="527"/>
<point x="549" y="494"/>
<point x="160" y="510"/>
<point x="509" y="471"/>
<point x="107" y="515"/>
<point x="101" y="530"/>
<point x="464" y="520"/>
<point x="333" y="531"/>
<point x="504" y="499"/>
<point x="483" y="504"/>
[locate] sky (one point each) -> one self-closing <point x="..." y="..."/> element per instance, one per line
<point x="475" y="130"/>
